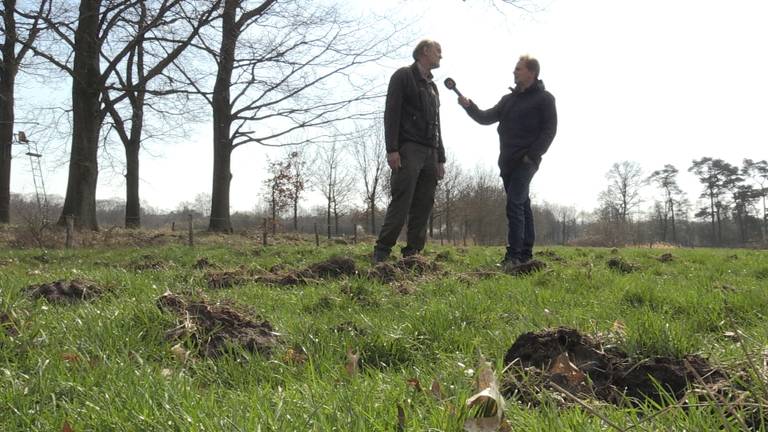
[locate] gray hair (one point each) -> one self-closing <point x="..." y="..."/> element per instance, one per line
<point x="421" y="46"/>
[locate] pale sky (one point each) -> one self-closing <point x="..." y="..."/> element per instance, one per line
<point x="650" y="81"/>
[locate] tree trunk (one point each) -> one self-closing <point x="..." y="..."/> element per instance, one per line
<point x="222" y="121"/>
<point x="296" y="215"/>
<point x="6" y="141"/>
<point x="672" y="211"/>
<point x="132" y="203"/>
<point x="7" y="83"/>
<point x="80" y="199"/>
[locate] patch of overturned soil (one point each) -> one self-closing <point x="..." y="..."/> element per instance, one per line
<point x="334" y="267"/>
<point x="579" y="365"/>
<point x="417" y="264"/>
<point x="622" y="266"/>
<point x="213" y="328"/>
<point x="8" y="325"/>
<point x="65" y="291"/>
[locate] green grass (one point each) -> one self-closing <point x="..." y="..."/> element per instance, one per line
<point x="106" y="365"/>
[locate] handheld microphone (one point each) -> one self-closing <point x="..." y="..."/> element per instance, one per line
<point x="451" y="84"/>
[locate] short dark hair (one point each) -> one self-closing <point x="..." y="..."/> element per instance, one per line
<point x="531" y="64"/>
<point x="421" y="46"/>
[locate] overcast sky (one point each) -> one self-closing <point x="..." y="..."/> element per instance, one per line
<point x="650" y="81"/>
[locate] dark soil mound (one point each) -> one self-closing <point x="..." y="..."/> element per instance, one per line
<point x="149" y="262"/>
<point x="8" y="325"/>
<point x="228" y="279"/>
<point x="204" y="263"/>
<point x="580" y="365"/>
<point x="417" y="264"/>
<point x="64" y="292"/>
<point x="547" y="253"/>
<point x="618" y="264"/>
<point x="334" y="267"/>
<point x="525" y="268"/>
<point x="385" y="272"/>
<point x="212" y="328"/>
<point x="667" y="257"/>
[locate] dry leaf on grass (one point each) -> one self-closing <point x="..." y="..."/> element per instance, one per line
<point x="352" y="360"/>
<point x="487" y="405"/>
<point x="66" y="427"/>
<point x="564" y="367"/>
<point x="414" y="382"/>
<point x="180" y="353"/>
<point x="437" y="391"/>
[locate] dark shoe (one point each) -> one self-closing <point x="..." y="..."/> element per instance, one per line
<point x="511" y="264"/>
<point x="508" y="262"/>
<point x="406" y="252"/>
<point x="380" y="256"/>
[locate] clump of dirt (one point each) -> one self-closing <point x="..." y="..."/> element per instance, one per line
<point x="8" y="325"/>
<point x="550" y="254"/>
<point x="349" y="327"/>
<point x="525" y="268"/>
<point x="213" y="328"/>
<point x="385" y="272"/>
<point x="622" y="266"/>
<point x="336" y="266"/>
<point x="149" y="262"/>
<point x="666" y="257"/>
<point x="204" y="263"/>
<point x="417" y="264"/>
<point x="65" y="292"/>
<point x="581" y="366"/>
<point x="404" y="288"/>
<point x="228" y="279"/>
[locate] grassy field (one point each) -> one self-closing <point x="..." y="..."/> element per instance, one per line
<point x="356" y="354"/>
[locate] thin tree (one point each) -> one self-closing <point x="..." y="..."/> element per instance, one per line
<point x="758" y="173"/>
<point x="712" y="173"/>
<point x="13" y="50"/>
<point x="153" y="52"/>
<point x="623" y="192"/>
<point x="370" y="165"/>
<point x="666" y="180"/>
<point x="277" y="189"/>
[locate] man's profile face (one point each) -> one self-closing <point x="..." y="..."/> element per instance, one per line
<point x="523" y="76"/>
<point x="433" y="55"/>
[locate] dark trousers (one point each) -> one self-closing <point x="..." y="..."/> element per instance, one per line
<point x="413" y="194"/>
<point x="520" y="231"/>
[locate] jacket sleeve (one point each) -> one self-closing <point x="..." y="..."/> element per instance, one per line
<point x="393" y="111"/>
<point x="548" y="131"/>
<point x="484" y="117"/>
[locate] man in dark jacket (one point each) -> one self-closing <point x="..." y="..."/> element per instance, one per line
<point x="527" y="125"/>
<point x="415" y="151"/>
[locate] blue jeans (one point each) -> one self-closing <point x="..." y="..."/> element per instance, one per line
<point x="520" y="231"/>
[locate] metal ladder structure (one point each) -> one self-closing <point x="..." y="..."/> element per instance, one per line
<point x="37" y="173"/>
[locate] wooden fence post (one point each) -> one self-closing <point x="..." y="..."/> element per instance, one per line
<point x="190" y="233"/>
<point x="70" y="219"/>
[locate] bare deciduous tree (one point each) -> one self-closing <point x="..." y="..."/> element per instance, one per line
<point x="284" y="72"/>
<point x="14" y="49"/>
<point x="623" y="192"/>
<point x="370" y="165"/>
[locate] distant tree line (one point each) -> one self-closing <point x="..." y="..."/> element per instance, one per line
<point x="469" y="209"/>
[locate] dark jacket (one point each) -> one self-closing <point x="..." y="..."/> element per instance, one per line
<point x="412" y="111"/>
<point x="527" y="124"/>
